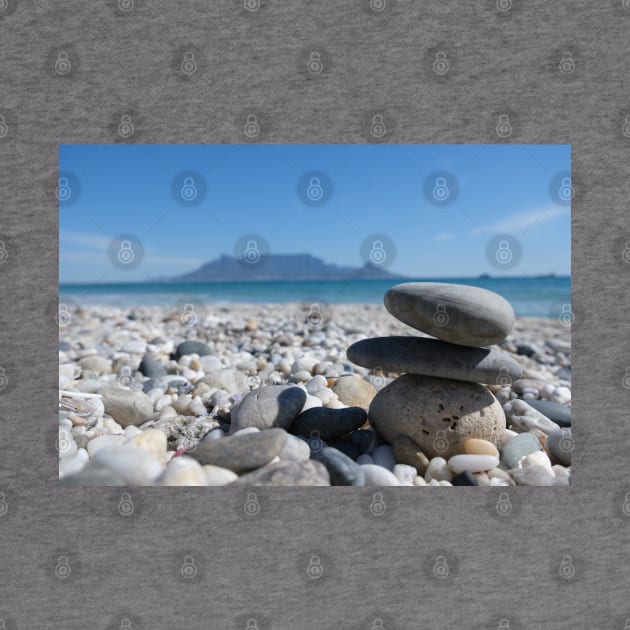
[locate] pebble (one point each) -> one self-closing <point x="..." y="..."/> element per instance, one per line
<point x="539" y="458"/>
<point x="183" y="471"/>
<point x="342" y="470"/>
<point x="431" y="357"/>
<point x="316" y="383"/>
<point x="403" y="472"/>
<point x="406" y="451"/>
<point x="533" y="476"/>
<point x="354" y="390"/>
<point x="438" y="414"/>
<point x="364" y="459"/>
<point x="438" y="469"/>
<point x="419" y="481"/>
<point x="465" y="478"/>
<point x="310" y="403"/>
<point x="94" y="475"/>
<point x="384" y="456"/>
<point x="310" y="473"/>
<point x="365" y="440"/>
<point x="556" y="412"/>
<point x="519" y="446"/>
<point x="102" y="441"/>
<point x="295" y="450"/>
<point x="459" y="314"/>
<point x="269" y="406"/>
<point x="472" y="463"/>
<point x="560" y="445"/>
<point x="151" y="367"/>
<point x="152" y="441"/>
<point x="228" y="379"/>
<point x="561" y="395"/>
<point x="526" y="418"/>
<point x="126" y="406"/>
<point x="241" y="453"/>
<point x="135" y="346"/>
<point x="192" y="347"/>
<point x="217" y="476"/>
<point x="73" y="465"/>
<point x="347" y="448"/>
<point x="474" y="446"/>
<point x="95" y="364"/>
<point x="136" y="466"/>
<point x="330" y="423"/>
<point x="378" y="476"/>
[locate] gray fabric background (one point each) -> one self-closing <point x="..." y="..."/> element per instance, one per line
<point x="255" y="566"/>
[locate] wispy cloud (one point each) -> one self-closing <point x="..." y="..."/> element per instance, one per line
<point x="84" y="240"/>
<point x="522" y="221"/>
<point x="442" y="237"/>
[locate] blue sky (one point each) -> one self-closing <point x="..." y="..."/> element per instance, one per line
<point x="377" y="190"/>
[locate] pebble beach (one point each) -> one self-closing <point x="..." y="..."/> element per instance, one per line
<point x="313" y="395"/>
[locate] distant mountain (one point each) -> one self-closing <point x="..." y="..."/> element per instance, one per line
<point x="278" y="267"/>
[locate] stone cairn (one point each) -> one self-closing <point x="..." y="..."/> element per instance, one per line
<point x="440" y="404"/>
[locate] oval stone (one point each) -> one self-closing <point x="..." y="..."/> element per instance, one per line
<point x="310" y="473"/>
<point x="519" y="446"/>
<point x="472" y="463"/>
<point x="556" y="412"/>
<point x="379" y="476"/>
<point x="342" y="470"/>
<point x="437" y="414"/>
<point x="457" y="313"/>
<point x="328" y="424"/>
<point x="560" y="445"/>
<point x="432" y="357"/>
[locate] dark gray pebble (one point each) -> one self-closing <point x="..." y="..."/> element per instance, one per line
<point x="192" y="347"/>
<point x="558" y="413"/>
<point x="151" y="367"/>
<point x="342" y="470"/>
<point x="328" y="424"/>
<point x="465" y="479"/>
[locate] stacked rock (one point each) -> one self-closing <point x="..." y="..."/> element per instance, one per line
<point x="440" y="405"/>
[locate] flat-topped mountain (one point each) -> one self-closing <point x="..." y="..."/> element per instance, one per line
<point x="289" y="267"/>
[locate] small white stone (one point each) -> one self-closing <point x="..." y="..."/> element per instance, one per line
<point x="183" y="471"/>
<point x="438" y="469"/>
<point x="215" y="434"/>
<point x="532" y="476"/>
<point x="433" y="482"/>
<point x="495" y="481"/>
<point x="135" y="465"/>
<point x="508" y="434"/>
<point x="155" y="394"/>
<point x="246" y="430"/>
<point x="472" y="463"/>
<point x="364" y="459"/>
<point x="419" y="481"/>
<point x="445" y="483"/>
<point x="164" y="401"/>
<point x="336" y="404"/>
<point x="66" y="445"/>
<point x="197" y="408"/>
<point x="378" y="476"/>
<point x="168" y="412"/>
<point x="539" y="458"/>
<point x="384" y="456"/>
<point x="217" y="476"/>
<point x="131" y="431"/>
<point x="561" y="395"/>
<point x="311" y="402"/>
<point x="295" y="450"/>
<point x="136" y="346"/>
<point x="103" y="441"/>
<point x="152" y="441"/>
<point x="316" y="383"/>
<point x="561" y="471"/>
<point x="73" y="465"/>
<point x="112" y="426"/>
<point x="404" y="472"/>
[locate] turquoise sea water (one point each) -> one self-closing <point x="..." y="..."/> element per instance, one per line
<point x="540" y="296"/>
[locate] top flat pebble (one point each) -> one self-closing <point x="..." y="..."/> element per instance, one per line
<point x="460" y="314"/>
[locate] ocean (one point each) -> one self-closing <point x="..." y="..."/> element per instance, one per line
<point x="534" y="297"/>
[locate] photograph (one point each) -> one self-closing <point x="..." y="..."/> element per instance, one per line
<point x="314" y="314"/>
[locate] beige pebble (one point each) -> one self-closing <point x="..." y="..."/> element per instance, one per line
<point x="472" y="463"/>
<point x="183" y="471"/>
<point x="476" y="446"/>
<point x="438" y="470"/>
<point x="195" y="365"/>
<point x="217" y="476"/>
<point x="151" y="440"/>
<point x="419" y="481"/>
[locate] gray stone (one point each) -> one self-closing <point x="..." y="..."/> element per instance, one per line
<point x="431" y="357"/>
<point x="295" y="450"/>
<point x="94" y="475"/>
<point x="560" y="445"/>
<point x="151" y="367"/>
<point x="556" y="412"/>
<point x="347" y="448"/>
<point x="328" y="424"/>
<point x="192" y="347"/>
<point x="524" y="417"/>
<point x="456" y="313"/>
<point x="243" y="452"/>
<point x="267" y="407"/>
<point x="126" y="406"/>
<point x="354" y="391"/>
<point x="438" y="414"/>
<point x="310" y="473"/>
<point x="343" y="471"/>
<point x="519" y="446"/>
